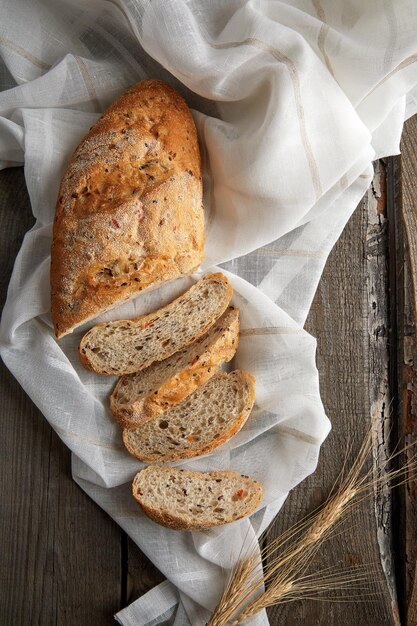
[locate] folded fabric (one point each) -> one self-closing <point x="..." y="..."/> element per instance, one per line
<point x="292" y="102"/>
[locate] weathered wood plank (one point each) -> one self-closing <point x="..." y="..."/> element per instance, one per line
<point x="142" y="574"/>
<point x="60" y="560"/>
<point x="349" y="306"/>
<point x="49" y="566"/>
<point x="405" y="206"/>
<point x="380" y="337"/>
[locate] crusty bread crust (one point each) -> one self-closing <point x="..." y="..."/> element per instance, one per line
<point x="203" y="361"/>
<point x="179" y="522"/>
<point x="129" y="213"/>
<point x="234" y="427"/>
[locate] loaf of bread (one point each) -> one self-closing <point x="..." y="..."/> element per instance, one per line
<point x="188" y="500"/>
<point x="129" y="212"/>
<point x="197" y="425"/>
<point x="128" y="346"/>
<point x="146" y="394"/>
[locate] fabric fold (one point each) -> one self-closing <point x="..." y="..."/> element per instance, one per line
<point x="292" y="102"/>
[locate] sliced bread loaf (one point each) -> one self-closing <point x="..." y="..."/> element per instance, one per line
<point x="146" y="394"/>
<point x="188" y="500"/>
<point x="197" y="425"/>
<point x="127" y="346"/>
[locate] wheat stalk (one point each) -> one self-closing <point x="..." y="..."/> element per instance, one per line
<point x="249" y="589"/>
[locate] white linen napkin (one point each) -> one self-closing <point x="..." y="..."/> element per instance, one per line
<point x="292" y="102"/>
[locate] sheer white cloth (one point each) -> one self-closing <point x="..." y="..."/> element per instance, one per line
<point x="292" y="101"/>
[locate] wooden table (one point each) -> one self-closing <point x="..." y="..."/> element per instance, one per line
<point x="64" y="562"/>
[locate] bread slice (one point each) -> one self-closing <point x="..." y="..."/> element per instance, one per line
<point x="197" y="425"/>
<point x="128" y="346"/>
<point x="129" y="212"/>
<point x="188" y="500"/>
<point x="144" y="395"/>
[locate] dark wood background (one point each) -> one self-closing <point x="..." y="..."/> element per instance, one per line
<point x="63" y="562"/>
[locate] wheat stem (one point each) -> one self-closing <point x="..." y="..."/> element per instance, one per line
<point x="289" y="555"/>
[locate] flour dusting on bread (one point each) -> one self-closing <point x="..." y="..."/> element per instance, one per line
<point x="129" y="213"/>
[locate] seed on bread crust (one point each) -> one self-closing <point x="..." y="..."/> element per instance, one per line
<point x="128" y="215"/>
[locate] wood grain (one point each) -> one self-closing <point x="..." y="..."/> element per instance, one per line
<point x="56" y="543"/>
<point x="346" y="361"/>
<point x="405" y="208"/>
<point x="60" y="560"/>
<point x="142" y="575"/>
<point x="377" y="368"/>
<point x="409" y="198"/>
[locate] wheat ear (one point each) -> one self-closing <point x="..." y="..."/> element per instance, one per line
<point x="249" y="590"/>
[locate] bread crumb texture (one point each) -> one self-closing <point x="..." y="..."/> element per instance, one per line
<point x="151" y="392"/>
<point x="127" y="346"/>
<point x="199" y="424"/>
<point x="191" y="500"/>
<point x="129" y="212"/>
